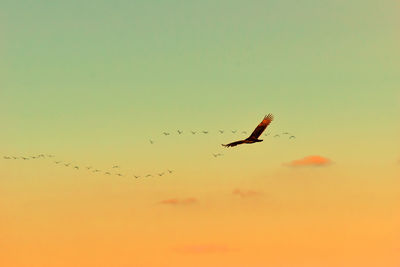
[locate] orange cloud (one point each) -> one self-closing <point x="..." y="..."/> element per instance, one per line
<point x="246" y="193"/>
<point x="203" y="249"/>
<point x="176" y="201"/>
<point x="310" y="161"/>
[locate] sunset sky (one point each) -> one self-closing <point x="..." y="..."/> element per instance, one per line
<point x="92" y="82"/>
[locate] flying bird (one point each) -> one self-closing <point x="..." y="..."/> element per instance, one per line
<point x="180" y="132"/>
<point x="253" y="138"/>
<point x="96" y="171"/>
<point x="277" y="135"/>
<point x="291" y="137"/>
<point x="165" y="133"/>
<point x="151" y="141"/>
<point x="161" y="174"/>
<point x="118" y="174"/>
<point x="221" y="131"/>
<point x="217" y="155"/>
<point x="234" y="131"/>
<point x="107" y="173"/>
<point x="205" y="132"/>
<point x="170" y="171"/>
<point x="116" y="166"/>
<point x="76" y="167"/>
<point x="137" y="176"/>
<point x="24" y="158"/>
<point x="5" y="157"/>
<point x="67" y="164"/>
<point x="149" y="175"/>
<point x="266" y="134"/>
<point x="88" y="167"/>
<point x="57" y="162"/>
<point x="193" y="132"/>
<point x="285" y="133"/>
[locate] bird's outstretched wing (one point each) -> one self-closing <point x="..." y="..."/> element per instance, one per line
<point x="261" y="127"/>
<point x="234" y="143"/>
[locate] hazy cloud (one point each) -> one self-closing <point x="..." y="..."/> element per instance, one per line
<point x="246" y="193"/>
<point x="177" y="201"/>
<point x="310" y="161"/>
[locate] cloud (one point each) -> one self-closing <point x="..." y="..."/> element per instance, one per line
<point x="203" y="249"/>
<point x="310" y="161"/>
<point x="177" y="201"/>
<point x="246" y="193"/>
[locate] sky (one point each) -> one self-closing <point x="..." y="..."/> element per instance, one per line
<point x="92" y="82"/>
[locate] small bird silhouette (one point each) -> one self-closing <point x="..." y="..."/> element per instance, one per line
<point x="149" y="175"/>
<point x="165" y="133"/>
<point x="234" y="131"/>
<point x="277" y="135"/>
<point x="67" y="164"/>
<point x="221" y="131"/>
<point x="107" y="173"/>
<point x="193" y="132"/>
<point x="170" y="171"/>
<point x="292" y="137"/>
<point x="205" y="132"/>
<point x="119" y="174"/>
<point x="285" y="133"/>
<point x="15" y="157"/>
<point x="33" y="157"/>
<point x="253" y="138"/>
<point x="266" y="134"/>
<point x="115" y="166"/>
<point x="88" y="167"/>
<point x="151" y="141"/>
<point x="161" y="174"/>
<point x="5" y="157"/>
<point x="217" y="155"/>
<point x="180" y="132"/>
<point x="137" y="176"/>
<point x="24" y="158"/>
<point x="76" y="167"/>
<point x="57" y="162"/>
<point x="96" y="170"/>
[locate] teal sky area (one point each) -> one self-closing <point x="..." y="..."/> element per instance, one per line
<point x="110" y="74"/>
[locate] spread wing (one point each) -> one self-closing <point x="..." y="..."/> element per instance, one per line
<point x="261" y="127"/>
<point x="234" y="143"/>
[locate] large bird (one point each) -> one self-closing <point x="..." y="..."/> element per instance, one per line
<point x="253" y="138"/>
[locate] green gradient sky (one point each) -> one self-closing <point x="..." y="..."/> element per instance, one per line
<point x="92" y="81"/>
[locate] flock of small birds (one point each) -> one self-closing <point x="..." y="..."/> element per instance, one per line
<point x="115" y="170"/>
<point x="216" y="155"/>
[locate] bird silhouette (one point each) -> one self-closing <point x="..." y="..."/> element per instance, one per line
<point x="119" y="174"/>
<point x="88" y="167"/>
<point x="33" y="157"/>
<point x="107" y="173"/>
<point x="151" y="141"/>
<point x="161" y="174"/>
<point x="193" y="132"/>
<point x="170" y="171"/>
<point x="115" y="166"/>
<point x="253" y="138"/>
<point x="180" y="132"/>
<point x="57" y="162"/>
<point x="205" y="132"/>
<point x="149" y="175"/>
<point x="24" y="158"/>
<point x="277" y="135"/>
<point x="165" y="133"/>
<point x="137" y="176"/>
<point x="285" y="133"/>
<point x="234" y="131"/>
<point x="67" y="164"/>
<point x="15" y="157"/>
<point x="217" y="155"/>
<point x="291" y="137"/>
<point x="96" y="170"/>
<point x="266" y="134"/>
<point x="76" y="167"/>
<point x="221" y="131"/>
<point x="5" y="157"/>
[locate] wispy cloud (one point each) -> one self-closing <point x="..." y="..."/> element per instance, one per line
<point x="310" y="161"/>
<point x="246" y="193"/>
<point x="203" y="249"/>
<point x="177" y="201"/>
